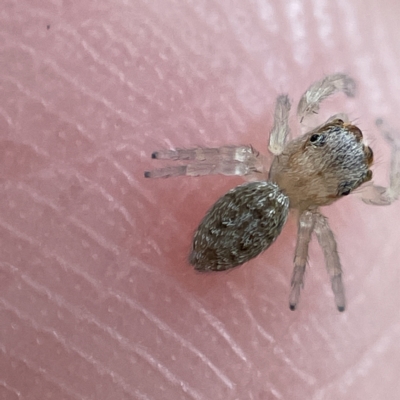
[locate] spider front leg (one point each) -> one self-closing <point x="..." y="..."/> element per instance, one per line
<point x="320" y="90"/>
<point x="305" y="229"/>
<point x="382" y="196"/>
<point x="329" y="248"/>
<point x="280" y="130"/>
<point x="226" y="160"/>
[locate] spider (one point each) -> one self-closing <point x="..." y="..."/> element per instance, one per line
<point x="313" y="170"/>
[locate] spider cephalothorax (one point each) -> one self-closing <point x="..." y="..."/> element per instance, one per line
<point x="321" y="166"/>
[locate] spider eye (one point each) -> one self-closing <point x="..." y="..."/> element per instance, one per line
<point x="317" y="140"/>
<point x="344" y="189"/>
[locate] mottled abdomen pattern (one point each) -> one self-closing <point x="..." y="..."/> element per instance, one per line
<point x="239" y="226"/>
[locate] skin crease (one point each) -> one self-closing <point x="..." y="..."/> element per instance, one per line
<point x="97" y="297"/>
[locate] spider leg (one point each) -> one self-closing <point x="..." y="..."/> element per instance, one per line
<point x="305" y="229"/>
<point x="378" y="195"/>
<point x="320" y="90"/>
<point x="210" y="154"/>
<point x="343" y="116"/>
<point x="329" y="248"/>
<point x="226" y="160"/>
<point x="280" y="130"/>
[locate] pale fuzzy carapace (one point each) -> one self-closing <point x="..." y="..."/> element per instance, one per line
<point x="313" y="170"/>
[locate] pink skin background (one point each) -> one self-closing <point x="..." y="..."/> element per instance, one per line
<point x="97" y="298"/>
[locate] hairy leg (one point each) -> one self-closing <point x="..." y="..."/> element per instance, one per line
<point x="226" y="160"/>
<point x="329" y="248"/>
<point x="320" y="90"/>
<point x="280" y="130"/>
<point x="378" y="195"/>
<point x="305" y="229"/>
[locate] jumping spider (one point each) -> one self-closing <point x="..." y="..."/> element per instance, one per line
<point x="310" y="171"/>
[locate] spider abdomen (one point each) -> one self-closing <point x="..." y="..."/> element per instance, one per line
<point x="240" y="225"/>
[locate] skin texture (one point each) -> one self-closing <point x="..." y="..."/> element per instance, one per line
<point x="97" y="298"/>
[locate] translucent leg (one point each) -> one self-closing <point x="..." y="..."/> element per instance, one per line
<point x="228" y="153"/>
<point x="280" y="129"/>
<point x="329" y="248"/>
<point x="378" y="195"/>
<point x="305" y="229"/>
<point x="320" y="90"/>
<point x="227" y="160"/>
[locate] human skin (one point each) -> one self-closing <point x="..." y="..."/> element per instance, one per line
<point x="97" y="298"/>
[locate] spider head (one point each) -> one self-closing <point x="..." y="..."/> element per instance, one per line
<point x="323" y="165"/>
